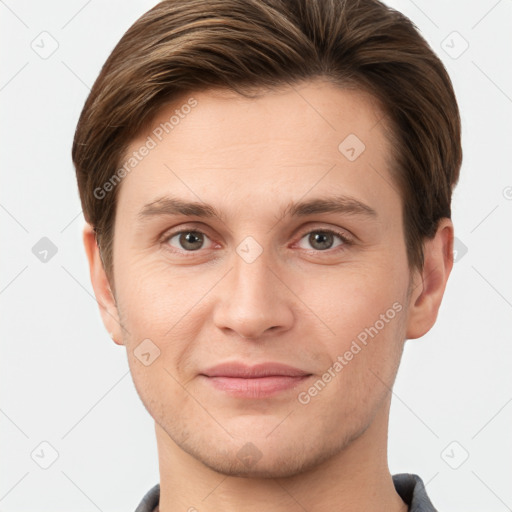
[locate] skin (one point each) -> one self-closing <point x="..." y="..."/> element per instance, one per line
<point x="297" y="303"/>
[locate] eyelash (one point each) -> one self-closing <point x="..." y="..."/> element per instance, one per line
<point x="342" y="236"/>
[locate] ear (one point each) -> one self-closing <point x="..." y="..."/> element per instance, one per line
<point x="429" y="285"/>
<point x="101" y="286"/>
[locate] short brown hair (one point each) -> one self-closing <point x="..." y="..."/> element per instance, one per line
<point x="183" y="46"/>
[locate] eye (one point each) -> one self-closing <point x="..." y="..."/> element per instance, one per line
<point x="188" y="240"/>
<point x="324" y="239"/>
<point x="320" y="240"/>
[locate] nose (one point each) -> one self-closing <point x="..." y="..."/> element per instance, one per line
<point x="255" y="301"/>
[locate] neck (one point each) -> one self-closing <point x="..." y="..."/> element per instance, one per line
<point x="355" y="478"/>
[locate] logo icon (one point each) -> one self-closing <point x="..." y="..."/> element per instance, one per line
<point x="146" y="352"/>
<point x="249" y="455"/>
<point x="455" y="455"/>
<point x="45" y="45"/>
<point x="351" y="147"/>
<point x="44" y="250"/>
<point x="454" y="45"/>
<point x="249" y="250"/>
<point x="44" y="455"/>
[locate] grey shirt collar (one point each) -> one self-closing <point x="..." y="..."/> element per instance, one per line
<point x="410" y="488"/>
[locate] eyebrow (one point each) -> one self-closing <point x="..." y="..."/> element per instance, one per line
<point x="338" y="204"/>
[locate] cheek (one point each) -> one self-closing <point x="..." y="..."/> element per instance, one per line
<point x="169" y="308"/>
<point x="360" y="359"/>
<point x="155" y="298"/>
<point x="159" y="339"/>
<point x="347" y="301"/>
<point x="360" y="330"/>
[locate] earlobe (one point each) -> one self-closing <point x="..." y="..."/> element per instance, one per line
<point x="428" y="290"/>
<point x="102" y="291"/>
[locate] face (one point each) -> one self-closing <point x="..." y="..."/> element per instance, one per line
<point x="292" y="253"/>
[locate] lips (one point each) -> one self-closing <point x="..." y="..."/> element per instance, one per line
<point x="244" y="371"/>
<point x="254" y="382"/>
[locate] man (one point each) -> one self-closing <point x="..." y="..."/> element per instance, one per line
<point x="267" y="190"/>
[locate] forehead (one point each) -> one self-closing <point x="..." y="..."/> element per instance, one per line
<point x="307" y="138"/>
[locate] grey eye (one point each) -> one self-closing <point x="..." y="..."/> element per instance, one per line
<point x="188" y="240"/>
<point x="322" y="240"/>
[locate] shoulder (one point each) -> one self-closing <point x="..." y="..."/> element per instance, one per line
<point x="411" y="489"/>
<point x="150" y="500"/>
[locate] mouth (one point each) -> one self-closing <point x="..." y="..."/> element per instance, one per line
<point x="259" y="381"/>
<point x="258" y="387"/>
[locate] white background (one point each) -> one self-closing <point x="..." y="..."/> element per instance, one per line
<point x="65" y="382"/>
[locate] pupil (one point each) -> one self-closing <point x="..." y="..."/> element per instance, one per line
<point x="191" y="240"/>
<point x="321" y="240"/>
